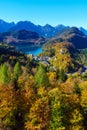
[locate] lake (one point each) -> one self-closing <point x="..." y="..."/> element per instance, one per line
<point x="36" y="51"/>
<point x="29" y="50"/>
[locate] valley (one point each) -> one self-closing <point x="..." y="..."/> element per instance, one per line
<point x="43" y="77"/>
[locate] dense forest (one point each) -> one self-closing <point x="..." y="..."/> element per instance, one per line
<point x="35" y="96"/>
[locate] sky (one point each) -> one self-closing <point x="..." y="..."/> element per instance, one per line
<point x="53" y="12"/>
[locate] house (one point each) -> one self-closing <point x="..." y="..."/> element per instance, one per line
<point x="62" y="51"/>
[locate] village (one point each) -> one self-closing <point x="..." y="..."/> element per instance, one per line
<point x="43" y="59"/>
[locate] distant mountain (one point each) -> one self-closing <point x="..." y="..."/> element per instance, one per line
<point x="4" y="26"/>
<point x="83" y="30"/>
<point x="60" y="27"/>
<point x="70" y="31"/>
<point x="72" y="35"/>
<point x="46" y="31"/>
<point x="21" y="37"/>
<point x="78" y="39"/>
<point x="27" y="25"/>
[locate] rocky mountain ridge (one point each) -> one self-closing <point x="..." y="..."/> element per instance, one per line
<point x="46" y="31"/>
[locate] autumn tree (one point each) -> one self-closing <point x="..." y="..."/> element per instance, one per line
<point x="76" y="120"/>
<point x="84" y="106"/>
<point x="38" y="118"/>
<point x="56" y="112"/>
<point x="66" y="112"/>
<point x="8" y="106"/>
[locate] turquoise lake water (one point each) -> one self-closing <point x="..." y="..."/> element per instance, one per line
<point x="36" y="51"/>
<point x="29" y="50"/>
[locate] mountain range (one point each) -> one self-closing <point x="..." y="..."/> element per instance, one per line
<point x="27" y="33"/>
<point x="46" y="31"/>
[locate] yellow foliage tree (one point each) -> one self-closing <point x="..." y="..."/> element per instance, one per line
<point x="39" y="115"/>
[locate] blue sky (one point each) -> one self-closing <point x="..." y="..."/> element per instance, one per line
<point x="54" y="12"/>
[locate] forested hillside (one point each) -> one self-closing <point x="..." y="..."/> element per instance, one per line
<point x="35" y="96"/>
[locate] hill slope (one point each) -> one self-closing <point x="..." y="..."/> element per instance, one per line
<point x="73" y="35"/>
<point x="21" y="37"/>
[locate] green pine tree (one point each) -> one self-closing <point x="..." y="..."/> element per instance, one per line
<point x="4" y="74"/>
<point x="41" y="78"/>
<point x="62" y="76"/>
<point x="17" y="71"/>
<point x="77" y="88"/>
